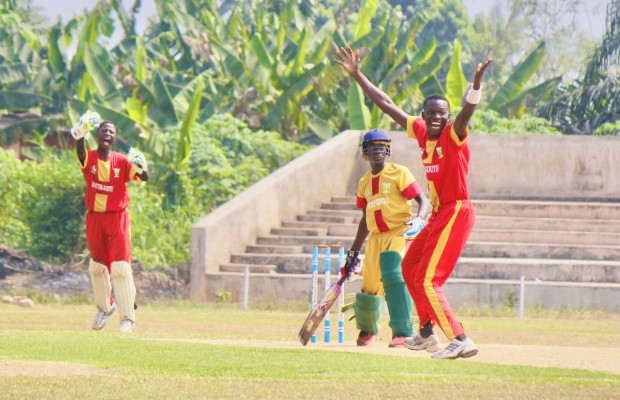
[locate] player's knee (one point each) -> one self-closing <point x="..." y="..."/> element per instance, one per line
<point x="96" y="268"/>
<point x="121" y="269"/>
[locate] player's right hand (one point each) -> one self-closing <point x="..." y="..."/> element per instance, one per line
<point x="88" y="121"/>
<point x="352" y="266"/>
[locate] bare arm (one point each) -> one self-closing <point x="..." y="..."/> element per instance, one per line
<point x="80" y="149"/>
<point x="350" y="60"/>
<point x="144" y="175"/>
<point x="424" y="206"/>
<point x="462" y="120"/>
<point x="362" y="233"/>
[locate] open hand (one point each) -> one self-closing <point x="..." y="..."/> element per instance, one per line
<point x="480" y="72"/>
<point x="349" y="59"/>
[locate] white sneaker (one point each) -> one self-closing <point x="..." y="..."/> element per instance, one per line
<point x="456" y="348"/>
<point x="417" y="342"/>
<point x="127" y="326"/>
<point x="101" y="318"/>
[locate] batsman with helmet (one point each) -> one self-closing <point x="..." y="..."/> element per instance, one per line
<point x="385" y="196"/>
<point x="106" y="174"/>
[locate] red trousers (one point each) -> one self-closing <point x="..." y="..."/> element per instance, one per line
<point x="108" y="236"/>
<point x="430" y="260"/>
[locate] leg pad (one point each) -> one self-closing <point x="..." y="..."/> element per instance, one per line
<point x="124" y="290"/>
<point x="367" y="312"/>
<point x="397" y="295"/>
<point x="102" y="288"/>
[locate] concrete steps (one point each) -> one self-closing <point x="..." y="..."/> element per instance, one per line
<point x="548" y="243"/>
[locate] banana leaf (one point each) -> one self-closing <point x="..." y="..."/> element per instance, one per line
<point x="22" y="100"/>
<point x="185" y="134"/>
<point x="455" y="80"/>
<point x="515" y="83"/>
<point x="359" y="115"/>
<point x="15" y="72"/>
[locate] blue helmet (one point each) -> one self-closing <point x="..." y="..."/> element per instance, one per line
<point x="375" y="136"/>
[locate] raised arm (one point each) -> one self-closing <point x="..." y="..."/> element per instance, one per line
<point x="350" y="61"/>
<point x="80" y="149"/>
<point x="471" y="100"/>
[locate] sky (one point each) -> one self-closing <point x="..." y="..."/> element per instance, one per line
<point x="592" y="24"/>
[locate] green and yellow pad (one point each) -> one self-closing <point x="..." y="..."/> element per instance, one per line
<point x="367" y="312"/>
<point x="396" y="294"/>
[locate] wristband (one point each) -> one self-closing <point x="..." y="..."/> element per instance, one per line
<point x="473" y="95"/>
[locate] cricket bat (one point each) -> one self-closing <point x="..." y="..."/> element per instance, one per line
<point x="320" y="309"/>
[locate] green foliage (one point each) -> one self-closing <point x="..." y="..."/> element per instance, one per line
<point x="43" y="210"/>
<point x="42" y="204"/>
<point x="490" y="121"/>
<point x="608" y="129"/>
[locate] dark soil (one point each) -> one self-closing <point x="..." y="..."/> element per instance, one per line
<point x="20" y="274"/>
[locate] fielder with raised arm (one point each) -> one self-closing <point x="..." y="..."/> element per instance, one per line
<point x="433" y="254"/>
<point x="106" y="173"/>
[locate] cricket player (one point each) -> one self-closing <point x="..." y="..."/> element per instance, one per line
<point x="434" y="252"/>
<point x="385" y="196"/>
<point x="106" y="174"/>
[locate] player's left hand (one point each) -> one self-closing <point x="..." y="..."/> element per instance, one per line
<point x="417" y="224"/>
<point x="349" y="59"/>
<point x="137" y="158"/>
<point x="482" y="67"/>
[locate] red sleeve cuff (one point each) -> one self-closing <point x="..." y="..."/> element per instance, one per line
<point x="412" y="191"/>
<point x="361" y="202"/>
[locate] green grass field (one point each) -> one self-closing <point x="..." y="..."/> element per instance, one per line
<point x="188" y="351"/>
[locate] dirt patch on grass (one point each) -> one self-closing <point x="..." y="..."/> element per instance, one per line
<point x="586" y="358"/>
<point x="46" y="368"/>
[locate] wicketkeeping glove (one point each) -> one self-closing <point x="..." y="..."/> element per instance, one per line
<point x="137" y="158"/>
<point x="353" y="266"/>
<point x="417" y="224"/>
<point x="88" y="121"/>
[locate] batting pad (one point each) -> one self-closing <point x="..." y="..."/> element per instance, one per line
<point x="102" y="288"/>
<point x="367" y="312"/>
<point x="396" y="294"/>
<point x="124" y="289"/>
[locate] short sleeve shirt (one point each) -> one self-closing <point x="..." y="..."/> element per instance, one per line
<point x="387" y="197"/>
<point x="106" y="181"/>
<point x="445" y="159"/>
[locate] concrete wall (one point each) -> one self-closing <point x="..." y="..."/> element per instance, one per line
<point x="510" y="166"/>
<point x="326" y="171"/>
<point x="532" y="166"/>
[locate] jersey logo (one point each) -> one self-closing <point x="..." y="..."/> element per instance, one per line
<point x="367" y="194"/>
<point x="439" y="152"/>
<point x="93" y="170"/>
<point x="386" y="187"/>
<point x="117" y="172"/>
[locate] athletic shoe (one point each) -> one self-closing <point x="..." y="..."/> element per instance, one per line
<point x="101" y="318"/>
<point x="365" y="339"/>
<point x="398" y="341"/>
<point x="456" y="349"/>
<point x="430" y="344"/>
<point x="127" y="326"/>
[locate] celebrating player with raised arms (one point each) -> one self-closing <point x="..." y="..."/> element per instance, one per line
<point x="432" y="256"/>
<point x="106" y="174"/>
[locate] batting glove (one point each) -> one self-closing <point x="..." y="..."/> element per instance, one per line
<point x="417" y="224"/>
<point x="353" y="266"/>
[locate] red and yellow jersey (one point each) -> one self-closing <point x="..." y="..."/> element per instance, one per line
<point x="106" y="181"/>
<point x="387" y="196"/>
<point x="446" y="160"/>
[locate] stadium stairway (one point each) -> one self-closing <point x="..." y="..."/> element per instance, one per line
<point x="559" y="254"/>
